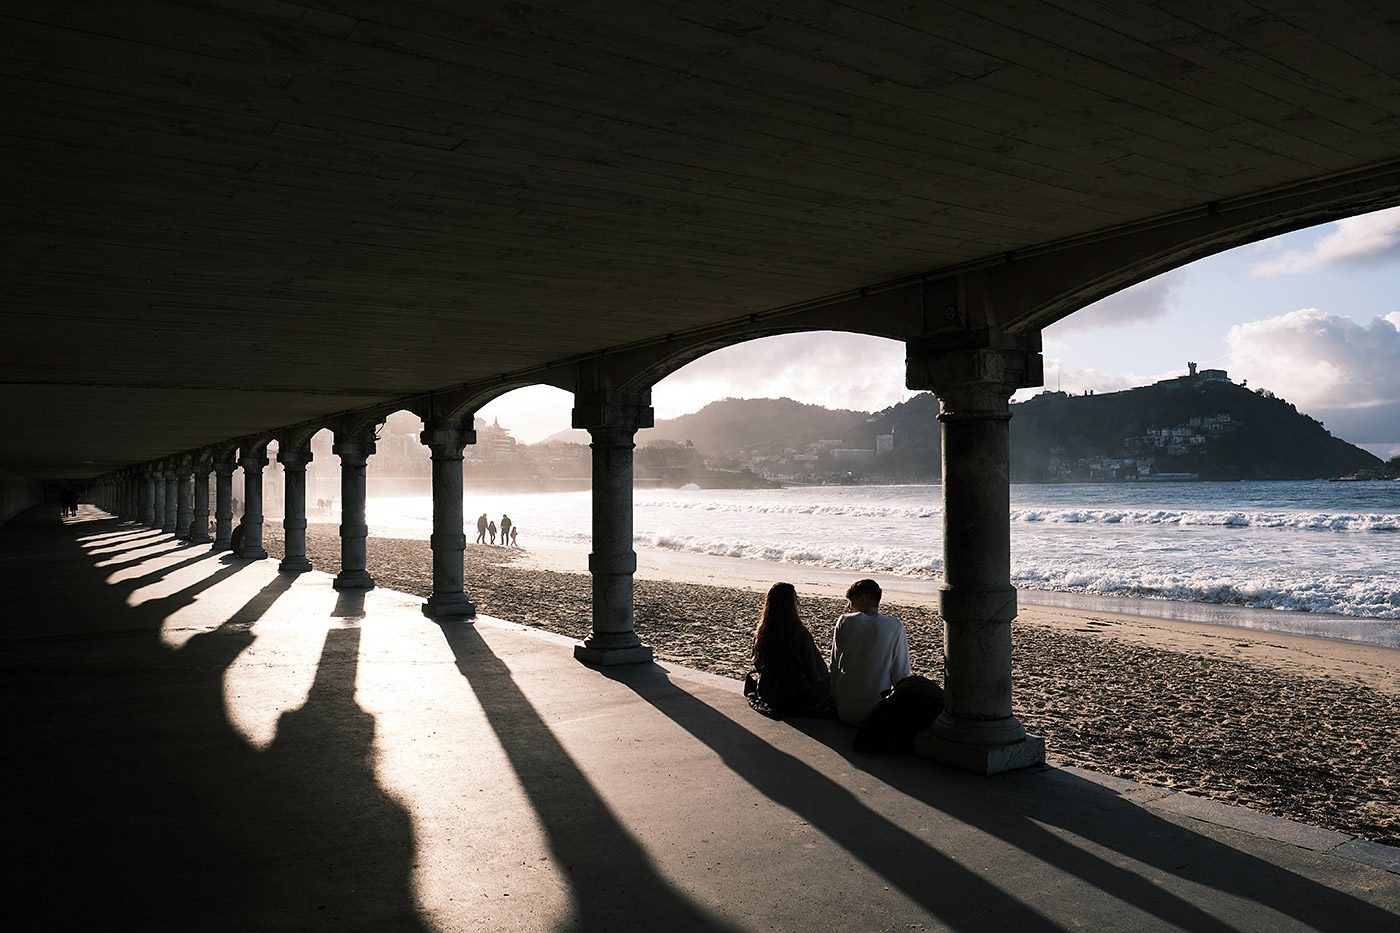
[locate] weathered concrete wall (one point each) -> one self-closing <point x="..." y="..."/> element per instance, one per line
<point x="17" y="494"/>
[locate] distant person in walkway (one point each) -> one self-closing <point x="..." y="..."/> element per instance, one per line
<point x="514" y="536"/>
<point x="869" y="653"/>
<point x="790" y="676"/>
<point x="68" y="502"/>
<point x="481" y="529"/>
<point x="491" y="530"/>
<point x="505" y="530"/>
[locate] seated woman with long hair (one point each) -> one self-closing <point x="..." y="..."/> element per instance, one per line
<point x="792" y="677"/>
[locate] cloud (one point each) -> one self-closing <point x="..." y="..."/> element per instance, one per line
<point x="836" y="370"/>
<point x="1367" y="239"/>
<point x="1344" y="373"/>
<point x="1144" y="301"/>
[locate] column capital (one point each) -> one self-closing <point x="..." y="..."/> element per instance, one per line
<point x="254" y="462"/>
<point x="353" y="450"/>
<point x="447" y="439"/>
<point x="294" y="458"/>
<point x="974" y="373"/>
<point x="611" y="409"/>
<point x="225" y="467"/>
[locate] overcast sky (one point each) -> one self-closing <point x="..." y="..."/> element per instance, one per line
<point x="1313" y="316"/>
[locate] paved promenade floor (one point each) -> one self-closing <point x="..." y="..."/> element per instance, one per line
<point x="195" y="742"/>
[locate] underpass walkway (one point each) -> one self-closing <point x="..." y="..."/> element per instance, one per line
<point x="195" y="740"/>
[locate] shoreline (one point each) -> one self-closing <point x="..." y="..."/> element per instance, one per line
<point x="752" y="573"/>
<point x="1295" y="726"/>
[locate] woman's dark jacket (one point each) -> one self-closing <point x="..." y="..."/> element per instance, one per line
<point x="796" y="685"/>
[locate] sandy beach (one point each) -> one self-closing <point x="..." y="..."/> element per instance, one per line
<point x="1299" y="727"/>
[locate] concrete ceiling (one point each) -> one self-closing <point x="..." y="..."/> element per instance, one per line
<point x="222" y="217"/>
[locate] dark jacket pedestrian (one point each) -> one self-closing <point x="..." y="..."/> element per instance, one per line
<point x="791" y="676"/>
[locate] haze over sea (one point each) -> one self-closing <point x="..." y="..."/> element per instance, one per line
<point x="1324" y="554"/>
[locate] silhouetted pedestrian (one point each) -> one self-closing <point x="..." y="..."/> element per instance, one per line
<point x="491" y="529"/>
<point x="481" y="529"/>
<point x="505" y="530"/>
<point x="514" y="536"/>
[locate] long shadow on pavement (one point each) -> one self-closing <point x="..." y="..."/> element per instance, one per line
<point x="1028" y="802"/>
<point x="615" y="885"/>
<point x="136" y="803"/>
<point x="959" y="897"/>
<point x="1012" y="809"/>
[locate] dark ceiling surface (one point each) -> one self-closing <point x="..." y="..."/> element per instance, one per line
<point x="222" y="217"/>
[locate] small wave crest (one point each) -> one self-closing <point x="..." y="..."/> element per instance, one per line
<point x="1327" y="595"/>
<point x="1366" y="598"/>
<point x="792" y="508"/>
<point x="853" y="556"/>
<point x="1307" y="521"/>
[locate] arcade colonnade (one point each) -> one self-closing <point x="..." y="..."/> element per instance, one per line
<point x="973" y="380"/>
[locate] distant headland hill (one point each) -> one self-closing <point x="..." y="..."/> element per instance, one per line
<point x="1198" y="426"/>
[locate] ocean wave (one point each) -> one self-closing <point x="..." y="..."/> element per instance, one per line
<point x="793" y="508"/>
<point x="1339" y="595"/>
<point x="852" y="556"/>
<point x="1309" y="521"/>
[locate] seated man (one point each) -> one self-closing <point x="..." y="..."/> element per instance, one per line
<point x="869" y="652"/>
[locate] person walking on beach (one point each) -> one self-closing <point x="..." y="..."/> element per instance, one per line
<point x="491" y="530"/>
<point x="505" y="530"/>
<point x="514" y="536"/>
<point x="790" y="676"/>
<point x="481" y="529"/>
<point x="869" y="653"/>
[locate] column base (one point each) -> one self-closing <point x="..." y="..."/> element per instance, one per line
<point x="981" y="759"/>
<point x="194" y="539"/>
<point x="605" y="657"/>
<point x="221" y="545"/>
<point x="293" y="565"/>
<point x="353" y="580"/>
<point x="608" y="648"/>
<point x="256" y="552"/>
<point x="449" y="606"/>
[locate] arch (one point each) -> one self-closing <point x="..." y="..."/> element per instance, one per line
<point x="459" y="406"/>
<point x="1031" y="292"/>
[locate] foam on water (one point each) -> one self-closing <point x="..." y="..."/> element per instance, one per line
<point x="1307" y="547"/>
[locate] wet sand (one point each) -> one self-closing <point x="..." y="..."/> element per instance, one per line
<point x="1299" y="727"/>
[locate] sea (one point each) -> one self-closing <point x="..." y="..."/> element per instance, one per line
<point x="1316" y="558"/>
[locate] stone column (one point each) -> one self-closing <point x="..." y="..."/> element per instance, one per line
<point x="159" y="524"/>
<point x="149" y="497"/>
<point x="224" y="465"/>
<point x="185" y="513"/>
<point x="294" y="461"/>
<point x="253" y="460"/>
<point x="612" y="420"/>
<point x="354" y="450"/>
<point x="449" y="599"/>
<point x="974" y="384"/>
<point x="172" y="500"/>
<point x="199" y="518"/>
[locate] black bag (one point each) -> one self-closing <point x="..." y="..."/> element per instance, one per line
<point x="905" y="710"/>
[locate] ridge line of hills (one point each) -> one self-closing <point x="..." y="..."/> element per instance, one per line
<point x="1193" y="427"/>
